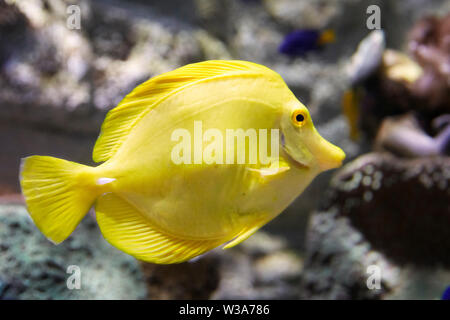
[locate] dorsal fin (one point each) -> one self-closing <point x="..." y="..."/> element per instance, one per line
<point x="121" y="120"/>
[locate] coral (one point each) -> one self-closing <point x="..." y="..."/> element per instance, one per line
<point x="384" y="211"/>
<point x="31" y="267"/>
<point x="399" y="205"/>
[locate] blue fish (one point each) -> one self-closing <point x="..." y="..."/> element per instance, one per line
<point x="446" y="294"/>
<point x="300" y="42"/>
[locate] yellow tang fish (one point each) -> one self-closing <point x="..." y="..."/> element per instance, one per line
<point x="159" y="209"/>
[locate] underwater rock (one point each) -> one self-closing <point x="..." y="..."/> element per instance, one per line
<point x="213" y="16"/>
<point x="384" y="211"/>
<point x="302" y="14"/>
<point x="211" y="47"/>
<point x="262" y="267"/>
<point x="253" y="35"/>
<point x="336" y="261"/>
<point x="31" y="267"/>
<point x="340" y="262"/>
<point x="400" y="205"/>
<point x="67" y="79"/>
<point x="13" y="26"/>
<point x="189" y="280"/>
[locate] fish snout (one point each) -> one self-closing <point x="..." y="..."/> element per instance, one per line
<point x="328" y="155"/>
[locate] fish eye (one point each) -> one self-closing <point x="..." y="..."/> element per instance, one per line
<point x="299" y="117"/>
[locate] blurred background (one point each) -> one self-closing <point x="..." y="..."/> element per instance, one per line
<point x="375" y="229"/>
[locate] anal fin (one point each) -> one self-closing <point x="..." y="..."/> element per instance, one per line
<point x="127" y="229"/>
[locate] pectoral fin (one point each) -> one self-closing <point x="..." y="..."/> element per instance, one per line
<point x="275" y="168"/>
<point x="127" y="229"/>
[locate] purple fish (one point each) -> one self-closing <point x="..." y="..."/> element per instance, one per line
<point x="300" y="42"/>
<point x="446" y="294"/>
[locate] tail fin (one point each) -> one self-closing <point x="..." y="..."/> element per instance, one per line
<point x="58" y="194"/>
